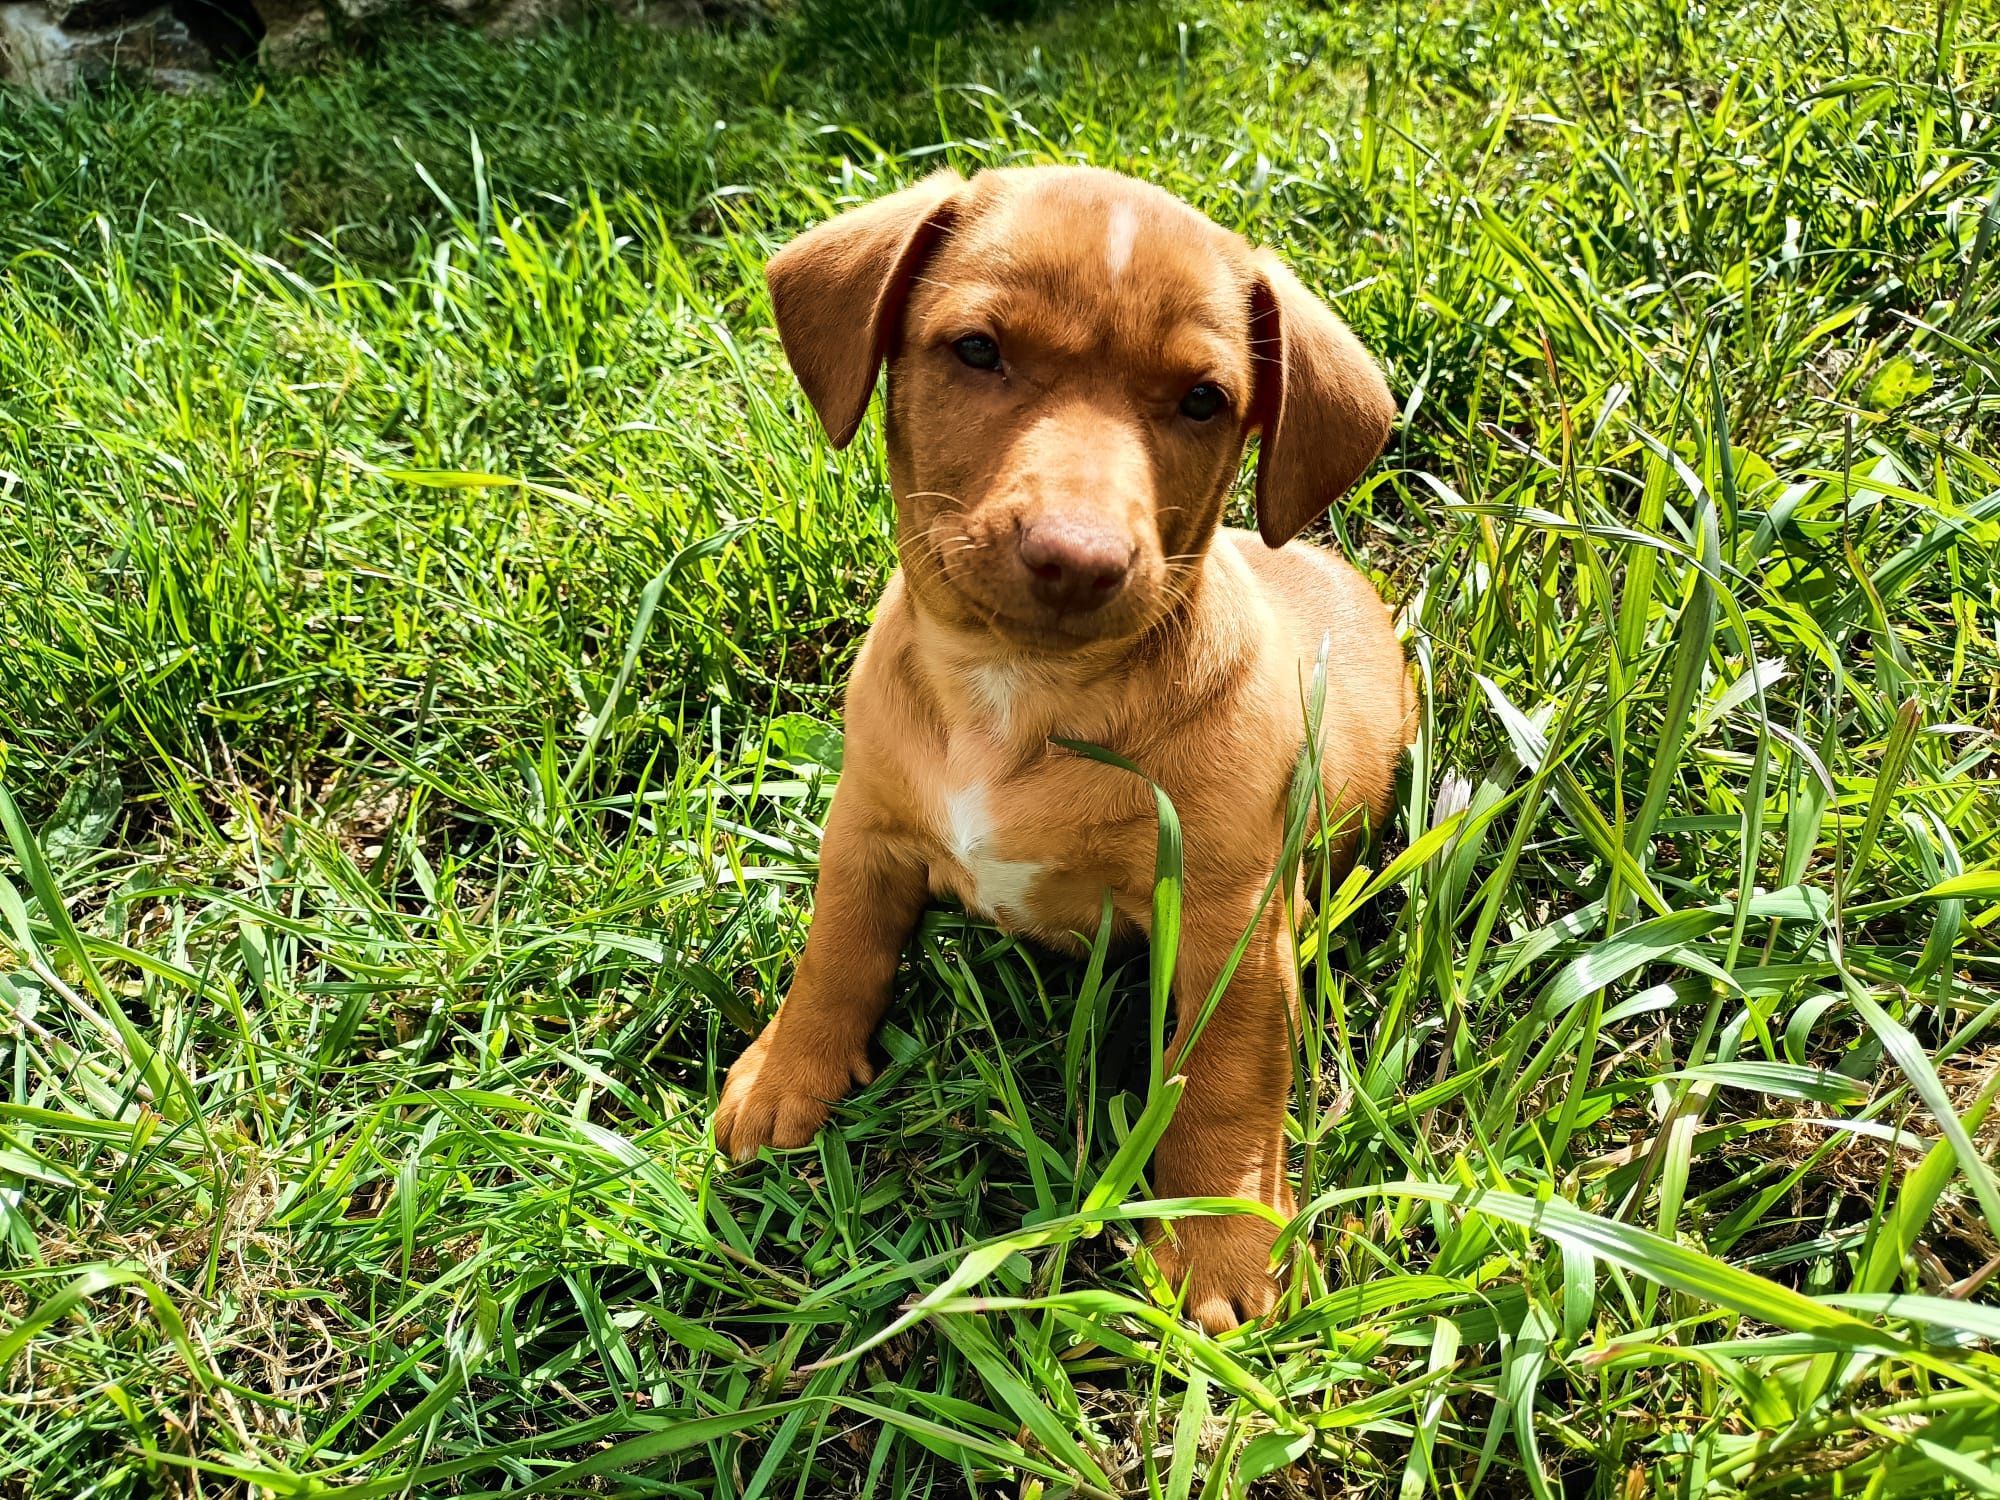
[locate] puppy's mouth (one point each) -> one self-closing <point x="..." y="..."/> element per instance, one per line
<point x="1007" y="606"/>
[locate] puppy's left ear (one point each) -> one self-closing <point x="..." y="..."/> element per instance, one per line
<point x="1321" y="408"/>
<point x="838" y="290"/>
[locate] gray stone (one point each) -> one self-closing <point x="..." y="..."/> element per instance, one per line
<point x="51" y="46"/>
<point x="52" y="59"/>
<point x="94" y="15"/>
<point x="297" y="33"/>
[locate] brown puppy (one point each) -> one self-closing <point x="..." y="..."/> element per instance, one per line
<point x="1075" y="362"/>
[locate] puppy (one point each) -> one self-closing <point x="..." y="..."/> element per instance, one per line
<point x="1076" y="361"/>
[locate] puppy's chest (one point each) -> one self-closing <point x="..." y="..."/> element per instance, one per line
<point x="1032" y="847"/>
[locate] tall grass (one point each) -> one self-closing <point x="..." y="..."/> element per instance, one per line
<point x="426" y="598"/>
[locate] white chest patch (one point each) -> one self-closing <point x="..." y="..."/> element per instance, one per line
<point x="994" y="688"/>
<point x="999" y="886"/>
<point x="1119" y="237"/>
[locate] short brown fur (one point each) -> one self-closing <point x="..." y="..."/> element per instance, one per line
<point x="1109" y="302"/>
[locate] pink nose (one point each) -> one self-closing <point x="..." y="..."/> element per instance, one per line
<point x="1075" y="564"/>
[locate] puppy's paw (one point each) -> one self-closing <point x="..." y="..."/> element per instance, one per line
<point x="778" y="1095"/>
<point x="1224" y="1264"/>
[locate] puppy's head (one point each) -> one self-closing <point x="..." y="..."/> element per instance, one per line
<point x="1075" y="362"/>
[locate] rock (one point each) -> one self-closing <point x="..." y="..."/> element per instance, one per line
<point x="297" y="33"/>
<point x="94" y="15"/>
<point x="515" y="17"/>
<point x="53" y="45"/>
<point x="52" y="59"/>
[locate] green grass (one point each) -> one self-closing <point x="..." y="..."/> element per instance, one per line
<point x="425" y="598"/>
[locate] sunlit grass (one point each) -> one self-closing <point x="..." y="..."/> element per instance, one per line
<point x="425" y="601"/>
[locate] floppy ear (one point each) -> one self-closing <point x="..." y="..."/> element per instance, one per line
<point x="1321" y="408"/>
<point x="837" y="291"/>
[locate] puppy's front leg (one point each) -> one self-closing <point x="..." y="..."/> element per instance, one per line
<point x="865" y="905"/>
<point x="1227" y="1138"/>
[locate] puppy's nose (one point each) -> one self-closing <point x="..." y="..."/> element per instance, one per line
<point x="1073" y="564"/>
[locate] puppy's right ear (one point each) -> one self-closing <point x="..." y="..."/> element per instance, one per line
<point x="838" y="290"/>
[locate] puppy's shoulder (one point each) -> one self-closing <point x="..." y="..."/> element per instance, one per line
<point x="1305" y="582"/>
<point x="889" y="709"/>
<point x="1320" y="596"/>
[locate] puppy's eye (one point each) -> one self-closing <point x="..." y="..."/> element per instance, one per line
<point x="978" y="351"/>
<point x="1203" y="402"/>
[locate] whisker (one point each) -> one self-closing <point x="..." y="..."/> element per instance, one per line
<point x="936" y="542"/>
